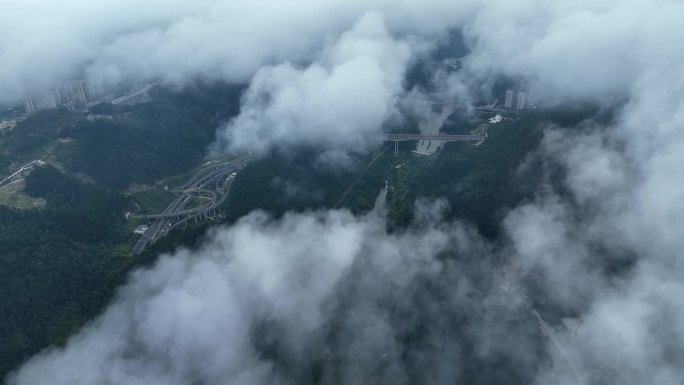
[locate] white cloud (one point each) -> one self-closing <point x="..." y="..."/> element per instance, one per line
<point x="330" y="74"/>
<point x="337" y="101"/>
<point x="174" y="43"/>
<point x="309" y="283"/>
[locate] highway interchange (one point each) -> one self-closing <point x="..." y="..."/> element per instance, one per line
<point x="211" y="183"/>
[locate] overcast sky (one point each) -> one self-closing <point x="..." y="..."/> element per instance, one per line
<point x="329" y="72"/>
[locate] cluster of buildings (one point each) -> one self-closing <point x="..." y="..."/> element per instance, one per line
<point x="7" y="125"/>
<point x="140" y="230"/>
<point x="79" y="93"/>
<point x="520" y="104"/>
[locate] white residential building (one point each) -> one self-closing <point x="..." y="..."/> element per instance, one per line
<point x="521" y="100"/>
<point x="509" y="99"/>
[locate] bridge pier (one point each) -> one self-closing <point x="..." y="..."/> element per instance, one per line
<point x="396" y="148"/>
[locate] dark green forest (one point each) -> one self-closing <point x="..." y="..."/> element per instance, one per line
<point x="150" y="141"/>
<point x="480" y="183"/>
<point x="34" y="138"/>
<point x="61" y="264"/>
<point x="296" y="180"/>
<point x="120" y="145"/>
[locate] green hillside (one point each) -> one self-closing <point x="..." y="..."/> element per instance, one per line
<point x="61" y="263"/>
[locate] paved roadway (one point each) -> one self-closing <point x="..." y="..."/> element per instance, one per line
<point x="548" y="332"/>
<point x="19" y="173"/>
<point x="212" y="181"/>
<point x="478" y="109"/>
<point x="445" y="138"/>
<point x="133" y="95"/>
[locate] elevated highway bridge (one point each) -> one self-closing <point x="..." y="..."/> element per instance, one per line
<point x="396" y="138"/>
<point x="213" y="180"/>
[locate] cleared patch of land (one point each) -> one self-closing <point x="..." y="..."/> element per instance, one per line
<point x="154" y="200"/>
<point x="13" y="195"/>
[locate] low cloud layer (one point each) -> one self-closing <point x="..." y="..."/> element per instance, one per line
<point x="294" y="54"/>
<point x="311" y="298"/>
<point x="339" y="100"/>
<point x="112" y="41"/>
<point x="599" y="51"/>
<point x="326" y="293"/>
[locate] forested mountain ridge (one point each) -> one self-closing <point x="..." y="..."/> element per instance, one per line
<point x="61" y="264"/>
